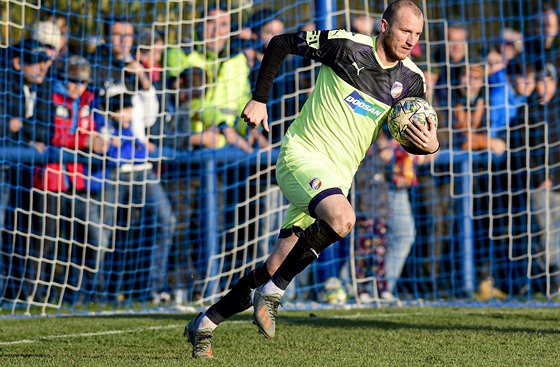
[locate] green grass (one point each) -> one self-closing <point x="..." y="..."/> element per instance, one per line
<point x="420" y="336"/>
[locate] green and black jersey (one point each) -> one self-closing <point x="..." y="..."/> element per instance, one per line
<point x="324" y="146"/>
<point x="352" y="96"/>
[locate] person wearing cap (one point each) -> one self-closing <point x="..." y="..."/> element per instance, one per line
<point x="24" y="78"/>
<point x="25" y="122"/>
<point x="128" y="182"/>
<point x="48" y="34"/>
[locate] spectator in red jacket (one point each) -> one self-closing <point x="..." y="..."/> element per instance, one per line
<point x="67" y="213"/>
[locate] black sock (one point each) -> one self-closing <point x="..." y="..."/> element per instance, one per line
<point x="238" y="298"/>
<point x="314" y="240"/>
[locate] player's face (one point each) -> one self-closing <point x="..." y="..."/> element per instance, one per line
<point x="402" y="35"/>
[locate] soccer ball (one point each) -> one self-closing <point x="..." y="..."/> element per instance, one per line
<point x="409" y="109"/>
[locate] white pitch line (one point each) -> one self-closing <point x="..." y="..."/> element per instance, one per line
<point x="81" y="335"/>
<point x="114" y="332"/>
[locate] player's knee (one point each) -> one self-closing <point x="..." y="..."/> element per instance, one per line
<point x="338" y="213"/>
<point x="342" y="222"/>
<point x="343" y="226"/>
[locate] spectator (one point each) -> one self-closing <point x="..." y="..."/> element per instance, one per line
<point x="470" y="113"/>
<point x="129" y="181"/>
<point x="363" y="24"/>
<point x="214" y="87"/>
<point x="48" y="34"/>
<point x="496" y="64"/>
<point x="435" y="209"/>
<point x="226" y="80"/>
<point x="149" y="52"/>
<point x="116" y="70"/>
<point x="182" y="180"/>
<point x="541" y="46"/>
<point x="509" y="202"/>
<point x="371" y="190"/>
<point x="512" y="46"/>
<point x="24" y="116"/>
<point x="62" y="196"/>
<point x="509" y="87"/>
<point x="446" y="76"/>
<point x="401" y="229"/>
<point x="544" y="154"/>
<point x="265" y="24"/>
<point x="470" y="134"/>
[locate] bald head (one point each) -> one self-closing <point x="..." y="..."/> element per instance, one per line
<point x="394" y="8"/>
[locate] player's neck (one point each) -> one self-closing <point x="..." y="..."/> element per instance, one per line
<point x="382" y="55"/>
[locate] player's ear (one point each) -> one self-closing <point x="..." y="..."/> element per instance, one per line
<point x="384" y="25"/>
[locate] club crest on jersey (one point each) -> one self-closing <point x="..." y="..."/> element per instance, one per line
<point x="396" y="90"/>
<point x="362" y="107"/>
<point x="315" y="183"/>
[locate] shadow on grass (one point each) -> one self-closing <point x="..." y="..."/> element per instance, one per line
<point x="451" y="322"/>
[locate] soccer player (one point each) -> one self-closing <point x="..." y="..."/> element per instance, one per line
<point x="360" y="79"/>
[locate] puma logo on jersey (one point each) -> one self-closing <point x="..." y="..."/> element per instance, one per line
<point x="354" y="64"/>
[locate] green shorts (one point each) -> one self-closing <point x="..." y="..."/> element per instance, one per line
<point x="303" y="176"/>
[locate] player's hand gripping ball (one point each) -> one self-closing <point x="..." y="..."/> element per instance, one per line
<point x="405" y="111"/>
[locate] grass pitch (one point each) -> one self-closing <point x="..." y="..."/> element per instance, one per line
<point x="419" y="336"/>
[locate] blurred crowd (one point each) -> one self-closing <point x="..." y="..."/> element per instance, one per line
<point x="90" y="130"/>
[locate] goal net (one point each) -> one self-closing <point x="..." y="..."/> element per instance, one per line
<point x="129" y="182"/>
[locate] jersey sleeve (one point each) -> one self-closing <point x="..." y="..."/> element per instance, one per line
<point x="315" y="45"/>
<point x="325" y="46"/>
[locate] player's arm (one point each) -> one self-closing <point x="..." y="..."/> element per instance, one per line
<point x="278" y="49"/>
<point x="304" y="44"/>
